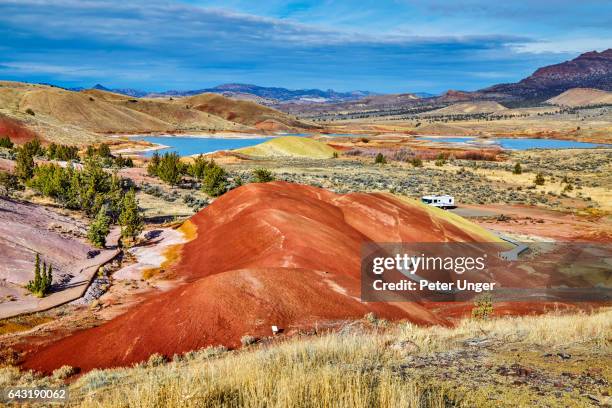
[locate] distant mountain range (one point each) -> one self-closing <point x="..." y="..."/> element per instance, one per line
<point x="261" y="94"/>
<point x="589" y="70"/>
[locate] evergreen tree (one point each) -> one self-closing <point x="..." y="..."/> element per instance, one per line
<point x="74" y="200"/>
<point x="170" y="168"/>
<point x="153" y="165"/>
<point x="99" y="229"/>
<point x="43" y="276"/>
<point x="215" y="181"/>
<point x="198" y="168"/>
<point x="517" y="169"/>
<point x="104" y="150"/>
<point x="8" y="184"/>
<point x="24" y="166"/>
<point x="37" y="269"/>
<point x="380" y="159"/>
<point x="50" y="276"/>
<point x="130" y="219"/>
<point x="41" y="284"/>
<point x="6" y="142"/>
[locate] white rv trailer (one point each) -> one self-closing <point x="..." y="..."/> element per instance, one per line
<point x="440" y="201"/>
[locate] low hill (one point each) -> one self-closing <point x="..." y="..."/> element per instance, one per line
<point x="243" y="112"/>
<point x="81" y="117"/>
<point x="582" y="97"/>
<point x="468" y="108"/>
<point x="442" y="129"/>
<point x="91" y="114"/>
<point x="265" y="254"/>
<point x="290" y="146"/>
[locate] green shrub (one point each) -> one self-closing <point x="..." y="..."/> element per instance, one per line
<point x="215" y="181"/>
<point x="130" y="219"/>
<point x="153" y="164"/>
<point x="380" y="159"/>
<point x="168" y="167"/>
<point x="197" y="169"/>
<point x="416" y="162"/>
<point x="62" y="152"/>
<point x="517" y="169"/>
<point x="8" y="183"/>
<point x="24" y="166"/>
<point x="539" y="179"/>
<point x="6" y="142"/>
<point x="262" y="175"/>
<point x="99" y="229"/>
<point x="41" y="284"/>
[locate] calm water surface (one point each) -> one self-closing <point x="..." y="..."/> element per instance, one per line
<point x="187" y="146"/>
<point x="518" y="144"/>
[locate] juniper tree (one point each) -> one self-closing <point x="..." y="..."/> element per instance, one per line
<point x="41" y="284"/>
<point x="130" y="219"/>
<point x="153" y="165"/>
<point x="24" y="166"/>
<point x="99" y="229"/>
<point x="215" y="181"/>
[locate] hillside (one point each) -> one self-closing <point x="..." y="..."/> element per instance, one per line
<point x="15" y="130"/>
<point x="582" y="97"/>
<point x="82" y="117"/>
<point x="91" y="114"/>
<point x="290" y="253"/>
<point x="243" y="112"/>
<point x="468" y="108"/>
<point x="589" y="70"/>
<point x="290" y="146"/>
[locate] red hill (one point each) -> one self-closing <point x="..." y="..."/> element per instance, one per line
<point x="266" y="254"/>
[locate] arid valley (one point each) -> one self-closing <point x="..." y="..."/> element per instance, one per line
<point x="206" y="248"/>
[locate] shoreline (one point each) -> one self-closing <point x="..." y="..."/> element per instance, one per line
<point x="220" y="135"/>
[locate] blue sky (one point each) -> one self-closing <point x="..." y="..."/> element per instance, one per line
<point x="381" y="46"/>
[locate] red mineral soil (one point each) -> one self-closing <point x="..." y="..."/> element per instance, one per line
<point x="15" y="130"/>
<point x="265" y="254"/>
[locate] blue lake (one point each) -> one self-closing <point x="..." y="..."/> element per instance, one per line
<point x="517" y="144"/>
<point x="187" y="146"/>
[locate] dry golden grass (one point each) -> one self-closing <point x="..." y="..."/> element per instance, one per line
<point x="359" y="366"/>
